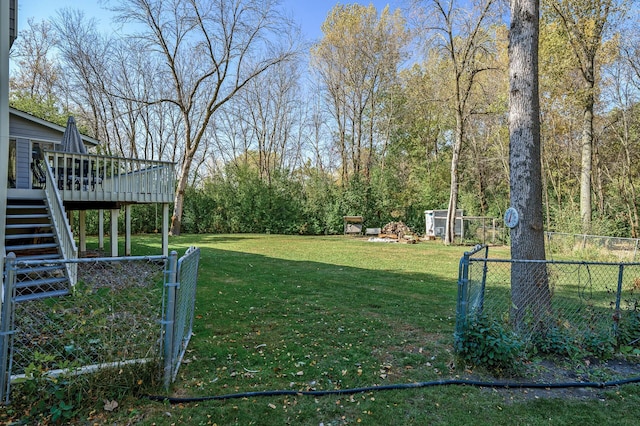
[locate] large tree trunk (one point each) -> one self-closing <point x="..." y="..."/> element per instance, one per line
<point x="530" y="292"/>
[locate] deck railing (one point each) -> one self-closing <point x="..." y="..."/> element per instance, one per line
<point x="91" y="177"/>
<point x="61" y="227"/>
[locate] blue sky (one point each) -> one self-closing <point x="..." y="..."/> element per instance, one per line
<point x="308" y="13"/>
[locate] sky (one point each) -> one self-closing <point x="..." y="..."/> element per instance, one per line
<point x="309" y="14"/>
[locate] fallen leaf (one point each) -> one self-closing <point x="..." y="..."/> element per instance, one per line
<point x="110" y="405"/>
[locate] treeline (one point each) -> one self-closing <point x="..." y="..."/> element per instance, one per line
<point x="382" y="117"/>
<point x="241" y="202"/>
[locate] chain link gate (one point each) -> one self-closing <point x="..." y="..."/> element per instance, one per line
<point x="180" y="312"/>
<point x="117" y="316"/>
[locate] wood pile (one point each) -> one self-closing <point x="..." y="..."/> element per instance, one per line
<point x="398" y="231"/>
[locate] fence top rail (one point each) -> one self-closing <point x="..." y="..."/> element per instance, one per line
<point x="191" y="251"/>
<point x="475" y="250"/>
<point x="36" y="262"/>
<point x="567" y="234"/>
<point x="547" y="261"/>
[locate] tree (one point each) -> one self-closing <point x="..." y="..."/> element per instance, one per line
<point x="463" y="35"/>
<point x="560" y="130"/>
<point x="35" y="86"/>
<point x="37" y="74"/>
<point x="619" y="155"/>
<point x="269" y="113"/>
<point x="530" y="292"/>
<point x="357" y="61"/>
<point x="85" y="55"/>
<point x="207" y="52"/>
<point x="585" y="23"/>
<point x="417" y="156"/>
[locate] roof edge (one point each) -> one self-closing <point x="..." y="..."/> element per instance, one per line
<point x="50" y="125"/>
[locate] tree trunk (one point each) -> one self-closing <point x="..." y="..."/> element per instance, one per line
<point x="178" y="203"/>
<point x="450" y="233"/>
<point x="480" y="176"/>
<point x="586" y="153"/>
<point x="530" y="294"/>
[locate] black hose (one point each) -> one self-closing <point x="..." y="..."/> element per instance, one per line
<point x="506" y="385"/>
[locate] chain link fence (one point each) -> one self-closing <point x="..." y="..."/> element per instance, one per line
<point x="116" y="320"/>
<point x="592" y="246"/>
<point x="565" y="307"/>
<point x="183" y="308"/>
<point x="487" y="230"/>
<point x="483" y="230"/>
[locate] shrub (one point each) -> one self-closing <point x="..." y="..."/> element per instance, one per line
<point x="556" y="340"/>
<point x="488" y="343"/>
<point x="628" y="333"/>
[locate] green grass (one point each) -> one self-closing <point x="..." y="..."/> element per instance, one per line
<point x="291" y="312"/>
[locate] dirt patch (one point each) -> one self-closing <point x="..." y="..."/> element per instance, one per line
<point x="563" y="380"/>
<point x="120" y="274"/>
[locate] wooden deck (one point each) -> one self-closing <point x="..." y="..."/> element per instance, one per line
<point x="82" y="178"/>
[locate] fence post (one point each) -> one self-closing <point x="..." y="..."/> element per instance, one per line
<point x="169" y="317"/>
<point x="461" y="305"/>
<point x="493" y="233"/>
<point x="6" y="325"/>
<point x="483" y="286"/>
<point x="616" y="314"/>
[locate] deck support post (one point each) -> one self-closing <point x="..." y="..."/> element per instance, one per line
<point x="165" y="229"/>
<point x="114" y="232"/>
<point x="127" y="232"/>
<point x="101" y="229"/>
<point x="82" y="230"/>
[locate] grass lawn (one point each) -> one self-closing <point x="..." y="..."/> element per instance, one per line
<point x="302" y="313"/>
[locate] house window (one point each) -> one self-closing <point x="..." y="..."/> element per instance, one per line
<point x="11" y="182"/>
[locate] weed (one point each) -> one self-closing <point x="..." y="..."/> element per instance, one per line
<point x="557" y="340"/>
<point x="49" y="398"/>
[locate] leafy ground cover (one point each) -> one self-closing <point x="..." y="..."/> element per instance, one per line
<point x="322" y="313"/>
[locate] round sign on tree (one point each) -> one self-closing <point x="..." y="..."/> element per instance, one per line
<point x="511" y="217"/>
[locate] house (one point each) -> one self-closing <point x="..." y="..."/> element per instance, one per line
<point x="47" y="185"/>
<point x="8" y="15"/>
<point x="44" y="184"/>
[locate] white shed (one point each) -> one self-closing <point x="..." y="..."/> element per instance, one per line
<point x="436" y="223"/>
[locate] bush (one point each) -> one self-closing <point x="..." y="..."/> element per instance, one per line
<point x="628" y="332"/>
<point x="487" y="343"/>
<point x="555" y="340"/>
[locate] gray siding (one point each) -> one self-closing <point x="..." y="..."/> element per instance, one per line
<point x="22" y="128"/>
<point x="23" y="164"/>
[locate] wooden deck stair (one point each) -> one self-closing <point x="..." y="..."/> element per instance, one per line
<point x="30" y="235"/>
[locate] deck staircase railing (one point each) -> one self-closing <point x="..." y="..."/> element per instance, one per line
<point x="61" y="227"/>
